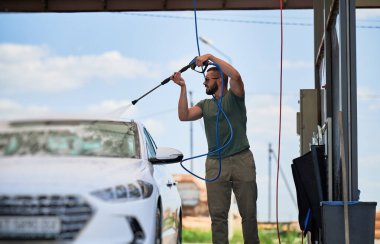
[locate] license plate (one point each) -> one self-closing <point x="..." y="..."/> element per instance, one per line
<point x="29" y="225"/>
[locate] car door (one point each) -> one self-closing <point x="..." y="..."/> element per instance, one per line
<point x="168" y="192"/>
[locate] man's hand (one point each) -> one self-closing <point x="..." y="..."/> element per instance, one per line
<point x="236" y="82"/>
<point x="201" y="59"/>
<point x="177" y="78"/>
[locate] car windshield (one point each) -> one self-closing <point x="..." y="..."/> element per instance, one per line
<point x="70" y="138"/>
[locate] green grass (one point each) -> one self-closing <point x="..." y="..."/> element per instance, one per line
<point x="266" y="237"/>
<point x="196" y="236"/>
<point x="270" y="237"/>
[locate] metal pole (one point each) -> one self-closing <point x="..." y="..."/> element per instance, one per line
<point x="270" y="182"/>
<point x="286" y="181"/>
<point x="349" y="92"/>
<point x="207" y="42"/>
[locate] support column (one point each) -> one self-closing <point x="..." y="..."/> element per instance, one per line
<point x="347" y="39"/>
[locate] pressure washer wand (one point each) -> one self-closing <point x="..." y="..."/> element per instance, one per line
<point x="162" y="83"/>
<point x="190" y="65"/>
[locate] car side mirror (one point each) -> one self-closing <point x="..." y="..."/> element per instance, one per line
<point x="166" y="155"/>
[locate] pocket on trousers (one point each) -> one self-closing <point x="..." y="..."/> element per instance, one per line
<point x="246" y="171"/>
<point x="211" y="168"/>
<point x="247" y="158"/>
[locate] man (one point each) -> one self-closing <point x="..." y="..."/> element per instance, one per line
<point x="238" y="166"/>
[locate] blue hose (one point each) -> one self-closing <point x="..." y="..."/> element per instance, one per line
<point x="219" y="148"/>
<point x="220" y="109"/>
<point x="196" y="26"/>
<point x="306" y="220"/>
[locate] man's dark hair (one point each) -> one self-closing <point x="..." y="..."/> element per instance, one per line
<point x="225" y="77"/>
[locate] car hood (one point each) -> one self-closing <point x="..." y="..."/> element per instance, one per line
<point x="43" y="174"/>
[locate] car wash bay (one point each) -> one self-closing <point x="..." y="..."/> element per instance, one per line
<point x="334" y="94"/>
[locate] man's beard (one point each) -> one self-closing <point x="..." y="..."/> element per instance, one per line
<point x="212" y="90"/>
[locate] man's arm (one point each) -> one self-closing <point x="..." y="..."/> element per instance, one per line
<point x="236" y="83"/>
<point x="184" y="112"/>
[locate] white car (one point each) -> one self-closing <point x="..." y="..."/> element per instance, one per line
<point x="86" y="181"/>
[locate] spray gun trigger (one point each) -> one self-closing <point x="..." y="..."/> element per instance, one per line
<point x="193" y="65"/>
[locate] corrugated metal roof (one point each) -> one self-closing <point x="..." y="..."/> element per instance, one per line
<point x="156" y="5"/>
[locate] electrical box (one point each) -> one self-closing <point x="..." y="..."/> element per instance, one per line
<point x="307" y="118"/>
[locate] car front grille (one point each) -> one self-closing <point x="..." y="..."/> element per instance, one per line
<point x="73" y="212"/>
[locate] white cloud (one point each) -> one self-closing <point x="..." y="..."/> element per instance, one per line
<point x="366" y="14"/>
<point x="263" y="113"/>
<point x="11" y="110"/>
<point x="374" y="184"/>
<point x="365" y="93"/>
<point x="370" y="161"/>
<point x="12" y="53"/>
<point x="155" y="127"/>
<point x="113" y="108"/>
<point x="297" y="64"/>
<point x="375" y="106"/>
<point x="35" y="68"/>
<point x="371" y="96"/>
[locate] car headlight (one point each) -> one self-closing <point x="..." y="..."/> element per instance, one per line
<point x="128" y="192"/>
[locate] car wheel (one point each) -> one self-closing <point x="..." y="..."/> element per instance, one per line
<point x="158" y="225"/>
<point x="179" y="238"/>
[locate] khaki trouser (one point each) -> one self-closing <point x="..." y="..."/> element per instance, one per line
<point x="239" y="174"/>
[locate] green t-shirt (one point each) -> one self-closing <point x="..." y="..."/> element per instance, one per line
<point x="234" y="108"/>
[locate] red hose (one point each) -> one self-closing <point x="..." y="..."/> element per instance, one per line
<point x="279" y="129"/>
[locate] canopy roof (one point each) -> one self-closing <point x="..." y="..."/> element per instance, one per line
<point x="156" y="5"/>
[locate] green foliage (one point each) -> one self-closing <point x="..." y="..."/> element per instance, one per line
<point x="196" y="236"/>
<point x="266" y="237"/>
<point x="237" y="238"/>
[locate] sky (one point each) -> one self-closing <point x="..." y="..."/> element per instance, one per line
<point x="93" y="63"/>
